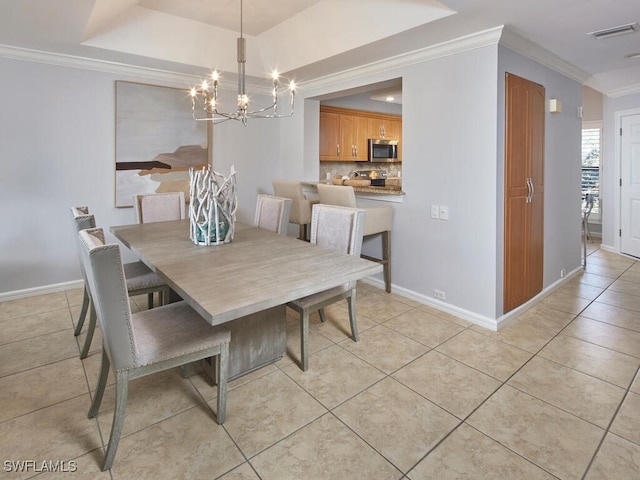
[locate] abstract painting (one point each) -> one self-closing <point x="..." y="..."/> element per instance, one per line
<point x="157" y="140"/>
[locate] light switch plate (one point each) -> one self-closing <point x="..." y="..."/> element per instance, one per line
<point x="435" y="211"/>
<point x="444" y="212"/>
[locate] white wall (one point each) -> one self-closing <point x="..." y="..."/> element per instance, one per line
<point x="57" y="148"/>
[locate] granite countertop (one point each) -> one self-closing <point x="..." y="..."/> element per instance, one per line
<point x="387" y="190"/>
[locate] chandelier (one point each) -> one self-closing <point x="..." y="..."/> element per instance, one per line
<point x="205" y="97"/>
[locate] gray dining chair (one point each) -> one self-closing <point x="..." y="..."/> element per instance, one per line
<point x="143" y="343"/>
<point x="300" y="206"/>
<point x="139" y="279"/>
<point x="340" y="229"/>
<point x="159" y="207"/>
<point x="272" y="213"/>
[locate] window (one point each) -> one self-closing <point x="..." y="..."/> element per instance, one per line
<point x="591" y="135"/>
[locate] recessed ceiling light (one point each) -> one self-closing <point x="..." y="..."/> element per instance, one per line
<point x="389" y="99"/>
<point x="615" y="31"/>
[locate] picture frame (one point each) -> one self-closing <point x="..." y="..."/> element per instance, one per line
<point x="157" y="141"/>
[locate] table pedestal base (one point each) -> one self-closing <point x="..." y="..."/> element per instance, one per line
<point x="256" y="340"/>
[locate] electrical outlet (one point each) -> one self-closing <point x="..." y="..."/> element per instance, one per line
<point x="439" y="294"/>
<point x="563" y="272"/>
<point x="444" y="212"/>
<point x="435" y="211"/>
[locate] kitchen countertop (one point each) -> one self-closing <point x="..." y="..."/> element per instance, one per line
<point x="389" y="190"/>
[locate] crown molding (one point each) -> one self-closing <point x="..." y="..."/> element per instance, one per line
<point x="621" y="92"/>
<point x="71" y="61"/>
<point x="498" y="35"/>
<point x="459" y="45"/>
<point x="501" y="35"/>
<point x="118" y="69"/>
<point x="529" y="49"/>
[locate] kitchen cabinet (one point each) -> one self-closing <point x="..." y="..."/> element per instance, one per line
<point x="524" y="191"/>
<point x="344" y="133"/>
<point x="384" y="128"/>
<point x="329" y="136"/>
<point x="353" y="134"/>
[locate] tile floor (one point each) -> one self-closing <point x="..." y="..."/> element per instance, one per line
<point x="423" y="395"/>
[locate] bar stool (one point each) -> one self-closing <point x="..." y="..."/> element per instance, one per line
<point x="300" y="206"/>
<point x="377" y="221"/>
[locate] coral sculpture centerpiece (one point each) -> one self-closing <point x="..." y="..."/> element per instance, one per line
<point x="212" y="209"/>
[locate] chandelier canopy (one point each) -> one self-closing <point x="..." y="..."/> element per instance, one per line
<point x="205" y="97"/>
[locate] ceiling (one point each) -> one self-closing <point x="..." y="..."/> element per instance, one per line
<point x="312" y="38"/>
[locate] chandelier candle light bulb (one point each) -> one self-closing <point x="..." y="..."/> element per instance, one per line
<point x="207" y="96"/>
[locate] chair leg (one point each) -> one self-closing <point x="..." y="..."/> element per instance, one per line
<point x="90" y="329"/>
<point x="386" y="256"/>
<point x="122" y="386"/>
<point x="186" y="370"/>
<point x="351" y="302"/>
<point x="323" y="318"/>
<point x="304" y="341"/>
<point x="222" y="372"/>
<point x="102" y="383"/>
<point x="164" y="296"/>
<point x="83" y="312"/>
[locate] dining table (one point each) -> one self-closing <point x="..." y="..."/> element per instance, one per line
<point x="244" y="284"/>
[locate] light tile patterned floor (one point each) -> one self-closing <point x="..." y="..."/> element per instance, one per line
<point x="423" y="395"/>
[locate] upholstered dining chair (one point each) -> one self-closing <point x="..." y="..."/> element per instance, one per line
<point x="139" y="279"/>
<point x="272" y="213"/>
<point x="338" y="228"/>
<point x="159" y="207"/>
<point x="378" y="221"/>
<point x="300" y="206"/>
<point x="150" y="341"/>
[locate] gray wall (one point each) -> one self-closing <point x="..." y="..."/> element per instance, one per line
<point x="57" y="146"/>
<point x="57" y="131"/>
<point x="453" y="123"/>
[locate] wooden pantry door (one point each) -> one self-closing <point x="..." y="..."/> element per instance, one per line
<point x="524" y="191"/>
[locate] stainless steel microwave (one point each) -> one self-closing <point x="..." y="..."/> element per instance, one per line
<point x="383" y="151"/>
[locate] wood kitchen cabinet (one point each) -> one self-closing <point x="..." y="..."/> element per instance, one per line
<point x="524" y="191"/>
<point x="344" y="132"/>
<point x="384" y="128"/>
<point x="329" y="136"/>
<point x="353" y="133"/>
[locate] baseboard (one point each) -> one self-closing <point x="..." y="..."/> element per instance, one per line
<point x="467" y="315"/>
<point x="31" y="292"/>
<point x="472" y="317"/>
<point x="509" y="316"/>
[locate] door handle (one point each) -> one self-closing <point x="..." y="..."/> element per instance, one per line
<point x="530" y="190"/>
<point x="338" y="151"/>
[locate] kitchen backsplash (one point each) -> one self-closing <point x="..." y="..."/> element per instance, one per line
<point x="346" y="168"/>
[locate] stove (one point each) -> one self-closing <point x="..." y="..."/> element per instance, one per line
<point x="377" y="177"/>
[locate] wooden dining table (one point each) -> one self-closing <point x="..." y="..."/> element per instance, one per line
<point x="244" y="284"/>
